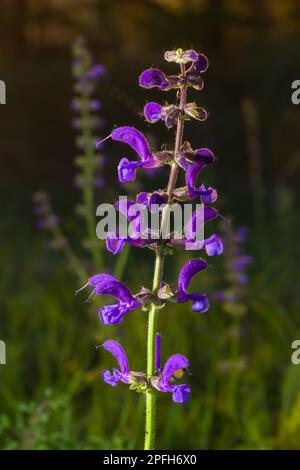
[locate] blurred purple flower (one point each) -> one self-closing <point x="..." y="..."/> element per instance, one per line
<point x="97" y="71"/>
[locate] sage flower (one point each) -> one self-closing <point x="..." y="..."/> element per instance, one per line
<point x="153" y="112"/>
<point x="164" y="378"/>
<point x="200" y="302"/>
<point x="137" y="141"/>
<point x="152" y="78"/>
<point x="105" y="284"/>
<point x="118" y="375"/>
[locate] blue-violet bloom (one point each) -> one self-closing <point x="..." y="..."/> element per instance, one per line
<point x="162" y="382"/>
<point x="105" y="284"/>
<point x="152" y="78"/>
<point x="118" y="375"/>
<point x="200" y="302"/>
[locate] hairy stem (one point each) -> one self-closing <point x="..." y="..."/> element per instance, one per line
<point x="150" y="424"/>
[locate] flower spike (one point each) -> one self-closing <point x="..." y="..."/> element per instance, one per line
<point x="182" y="157"/>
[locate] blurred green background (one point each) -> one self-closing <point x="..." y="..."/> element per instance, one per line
<point x="51" y="392"/>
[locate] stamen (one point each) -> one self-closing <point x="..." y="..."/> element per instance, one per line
<point x="90" y="296"/>
<point x="81" y="288"/>
<point x="99" y="142"/>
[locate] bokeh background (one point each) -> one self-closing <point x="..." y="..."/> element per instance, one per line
<point x="246" y="391"/>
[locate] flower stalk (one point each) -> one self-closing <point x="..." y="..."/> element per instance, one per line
<point x="150" y="423"/>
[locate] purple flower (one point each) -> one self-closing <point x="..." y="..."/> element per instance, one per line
<point x="133" y="212"/>
<point x="236" y="263"/>
<point x="127" y="170"/>
<point x="242" y="279"/>
<point x="163" y="379"/>
<point x="152" y="78"/>
<point x="200" y="65"/>
<point x="225" y="296"/>
<point x="241" y="234"/>
<point x="134" y="138"/>
<point x="200" y="302"/>
<point x="97" y="71"/>
<point x="152" y="111"/>
<point x="118" y="375"/>
<point x="105" y="284"/>
<point x="241" y="262"/>
<point x="137" y="141"/>
<point x="152" y="200"/>
<point x="204" y="157"/>
<point x="199" y="217"/>
<point x="175" y="363"/>
<point x="193" y="75"/>
<point x="206" y="197"/>
<point x="95" y="105"/>
<point x="48" y="222"/>
<point x="115" y="243"/>
<point x="214" y="245"/>
<point x="192" y="241"/>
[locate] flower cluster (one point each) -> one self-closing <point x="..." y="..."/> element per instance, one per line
<point x="86" y="75"/>
<point x="46" y="219"/>
<point x="86" y="107"/>
<point x="236" y="263"/>
<point x="163" y="380"/>
<point x="192" y="162"/>
<point x="233" y="298"/>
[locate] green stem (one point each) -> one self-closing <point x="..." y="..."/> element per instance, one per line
<point x="74" y="262"/>
<point x="150" y="424"/>
<point x="234" y="376"/>
<point x="88" y="197"/>
<point x="150" y="427"/>
<point x="121" y="262"/>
